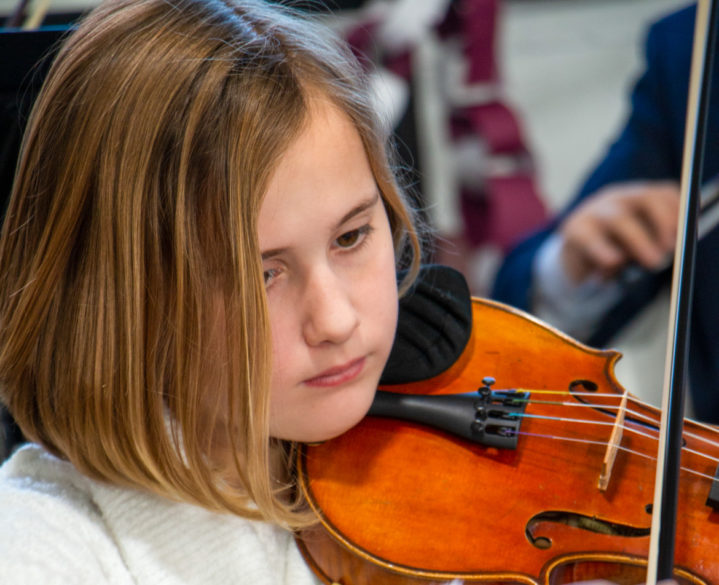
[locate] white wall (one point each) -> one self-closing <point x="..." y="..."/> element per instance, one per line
<point x="568" y="66"/>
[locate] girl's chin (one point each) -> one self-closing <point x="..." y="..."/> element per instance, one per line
<point x="327" y="428"/>
<point x="317" y="435"/>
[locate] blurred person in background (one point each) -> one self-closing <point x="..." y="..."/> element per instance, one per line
<point x="580" y="271"/>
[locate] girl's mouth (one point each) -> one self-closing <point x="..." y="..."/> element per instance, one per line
<point x="338" y="375"/>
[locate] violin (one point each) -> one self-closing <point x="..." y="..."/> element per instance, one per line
<point x="553" y="484"/>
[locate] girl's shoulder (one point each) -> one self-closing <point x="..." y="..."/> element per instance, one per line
<point x="50" y="529"/>
<point x="58" y="526"/>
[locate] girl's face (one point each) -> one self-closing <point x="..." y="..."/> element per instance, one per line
<point x="330" y="277"/>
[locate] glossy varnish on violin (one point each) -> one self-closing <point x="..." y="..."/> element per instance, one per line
<point x="401" y="503"/>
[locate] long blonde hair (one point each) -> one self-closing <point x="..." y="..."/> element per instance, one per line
<point x="134" y="206"/>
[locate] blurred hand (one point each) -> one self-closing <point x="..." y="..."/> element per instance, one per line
<point x="621" y="224"/>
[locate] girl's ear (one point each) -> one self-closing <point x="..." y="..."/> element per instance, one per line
<point x="434" y="326"/>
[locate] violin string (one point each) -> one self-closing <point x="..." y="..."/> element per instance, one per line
<point x="626" y="428"/>
<point x="603" y="444"/>
<point x="637" y="416"/>
<point x="565" y="403"/>
<point x="706" y="427"/>
<point x="561" y="419"/>
<point x="633" y="413"/>
<point x="567" y="392"/>
<point x="640" y="416"/>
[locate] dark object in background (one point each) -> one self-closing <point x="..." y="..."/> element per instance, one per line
<point x="10" y="435"/>
<point x="25" y="57"/>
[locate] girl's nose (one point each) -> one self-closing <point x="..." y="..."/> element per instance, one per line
<point x="330" y="315"/>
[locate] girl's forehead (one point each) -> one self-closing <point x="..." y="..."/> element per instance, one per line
<point x="323" y="174"/>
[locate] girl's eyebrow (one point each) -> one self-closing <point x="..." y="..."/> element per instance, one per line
<point x="358" y="209"/>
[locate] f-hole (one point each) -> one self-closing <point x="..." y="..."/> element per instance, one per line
<point x="581" y="522"/>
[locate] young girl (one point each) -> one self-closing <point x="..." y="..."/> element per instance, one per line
<point x="198" y="270"/>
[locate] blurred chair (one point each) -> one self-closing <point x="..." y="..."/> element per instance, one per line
<point x="475" y="173"/>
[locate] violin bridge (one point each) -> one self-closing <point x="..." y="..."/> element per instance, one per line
<point x="615" y="440"/>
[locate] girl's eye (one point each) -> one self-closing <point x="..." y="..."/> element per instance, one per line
<point x="269" y="275"/>
<point x="352" y="238"/>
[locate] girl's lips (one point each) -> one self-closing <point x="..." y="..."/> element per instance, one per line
<point x="338" y="375"/>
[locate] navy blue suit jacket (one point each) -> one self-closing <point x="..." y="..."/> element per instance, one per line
<point x="650" y="146"/>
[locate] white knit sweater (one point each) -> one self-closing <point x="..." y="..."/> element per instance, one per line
<point x="59" y="527"/>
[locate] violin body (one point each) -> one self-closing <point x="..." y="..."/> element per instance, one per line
<point x="401" y="503"/>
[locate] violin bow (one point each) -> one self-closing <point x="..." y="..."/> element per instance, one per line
<point x="664" y="510"/>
